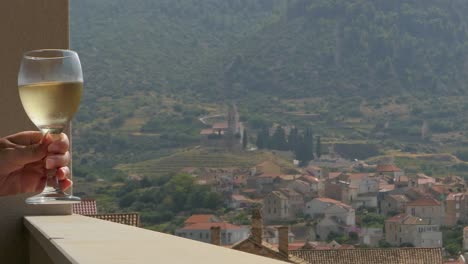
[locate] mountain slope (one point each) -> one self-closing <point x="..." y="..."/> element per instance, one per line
<point x="359" y="47"/>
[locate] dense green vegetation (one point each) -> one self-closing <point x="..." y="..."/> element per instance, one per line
<point x="360" y="47"/>
<point x="160" y="200"/>
<point x="452" y="238"/>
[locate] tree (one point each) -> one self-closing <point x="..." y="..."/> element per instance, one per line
<point x="304" y="150"/>
<point x="453" y="249"/>
<point x="293" y="138"/>
<point x="309" y="144"/>
<point x="244" y="139"/>
<point x="318" y="148"/>
<point x="263" y="138"/>
<point x="278" y="140"/>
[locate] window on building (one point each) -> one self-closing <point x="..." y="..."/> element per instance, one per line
<point x="229" y="237"/>
<point x="457" y="205"/>
<point x="206" y="235"/>
<point x="457" y="215"/>
<point x="190" y="234"/>
<point x="201" y="235"/>
<point x="413" y="211"/>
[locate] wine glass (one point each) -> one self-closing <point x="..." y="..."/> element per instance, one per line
<point x="50" y="83"/>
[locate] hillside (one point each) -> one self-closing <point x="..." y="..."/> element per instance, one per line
<point x="354" y="48"/>
<point x="355" y="70"/>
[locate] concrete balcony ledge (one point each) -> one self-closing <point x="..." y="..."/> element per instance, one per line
<point x="80" y="239"/>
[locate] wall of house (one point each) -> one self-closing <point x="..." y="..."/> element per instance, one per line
<point x="346" y="216"/>
<point x="432" y="213"/>
<point x="314" y="207"/>
<point x="453" y="212"/>
<point x="371" y="236"/>
<point x="368" y="184"/>
<point x="275" y="208"/>
<point x="430" y="239"/>
<point x="325" y="227"/>
<point x="391" y="232"/>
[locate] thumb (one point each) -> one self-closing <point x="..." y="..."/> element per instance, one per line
<point x="27" y="154"/>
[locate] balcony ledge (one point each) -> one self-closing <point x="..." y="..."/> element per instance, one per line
<point x="80" y="239"/>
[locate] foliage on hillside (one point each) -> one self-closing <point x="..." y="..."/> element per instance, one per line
<point x="160" y="200"/>
<point x="198" y="158"/>
<point x="360" y="47"/>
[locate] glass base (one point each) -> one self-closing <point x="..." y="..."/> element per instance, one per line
<point x="52" y="196"/>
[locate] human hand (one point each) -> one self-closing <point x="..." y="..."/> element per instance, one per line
<point x="25" y="158"/>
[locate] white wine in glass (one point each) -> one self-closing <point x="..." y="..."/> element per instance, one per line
<point x="50" y="84"/>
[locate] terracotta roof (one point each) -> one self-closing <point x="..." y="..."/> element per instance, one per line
<point x="207" y="131"/>
<point x="372" y="256"/>
<point x="332" y="175"/>
<point x="269" y="175"/>
<point x="358" y="176"/>
<point x="310" y="179"/>
<point x="425" y="201"/>
<point x="200" y="218"/>
<point x="220" y="125"/>
<point x="407" y="220"/>
<point x="288" y="177"/>
<point x="131" y="219"/>
<point x="387" y="168"/>
<point x="207" y="226"/>
<point x="333" y="201"/>
<point x="85" y="207"/>
<point x="385" y="186"/>
<point x="438" y="189"/>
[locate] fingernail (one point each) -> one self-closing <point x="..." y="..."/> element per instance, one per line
<point x="49" y="163"/>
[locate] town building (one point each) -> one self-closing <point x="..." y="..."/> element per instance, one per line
<point x="227" y="134"/>
<point x="331" y="216"/>
<point x="426" y="208"/>
<point x="282" y="205"/>
<point x="356" y="189"/>
<point x="255" y="243"/>
<point x="455" y="208"/>
<point x="393" y="204"/>
<point x="404" y="229"/>
<point x="422" y="181"/>
<point x="321" y="252"/>
<point x="240" y="201"/>
<point x="230" y="234"/>
<point x="371" y="236"/>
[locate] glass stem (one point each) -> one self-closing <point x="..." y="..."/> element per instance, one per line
<point x="52" y="182"/>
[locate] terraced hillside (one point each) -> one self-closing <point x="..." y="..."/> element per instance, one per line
<point x="191" y="158"/>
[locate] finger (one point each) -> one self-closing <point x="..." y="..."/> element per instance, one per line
<point x="60" y="145"/>
<point x="25" y="138"/>
<point x="65" y="184"/>
<point x="63" y="173"/>
<point x="4" y="143"/>
<point x="57" y="161"/>
<point x="22" y="155"/>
